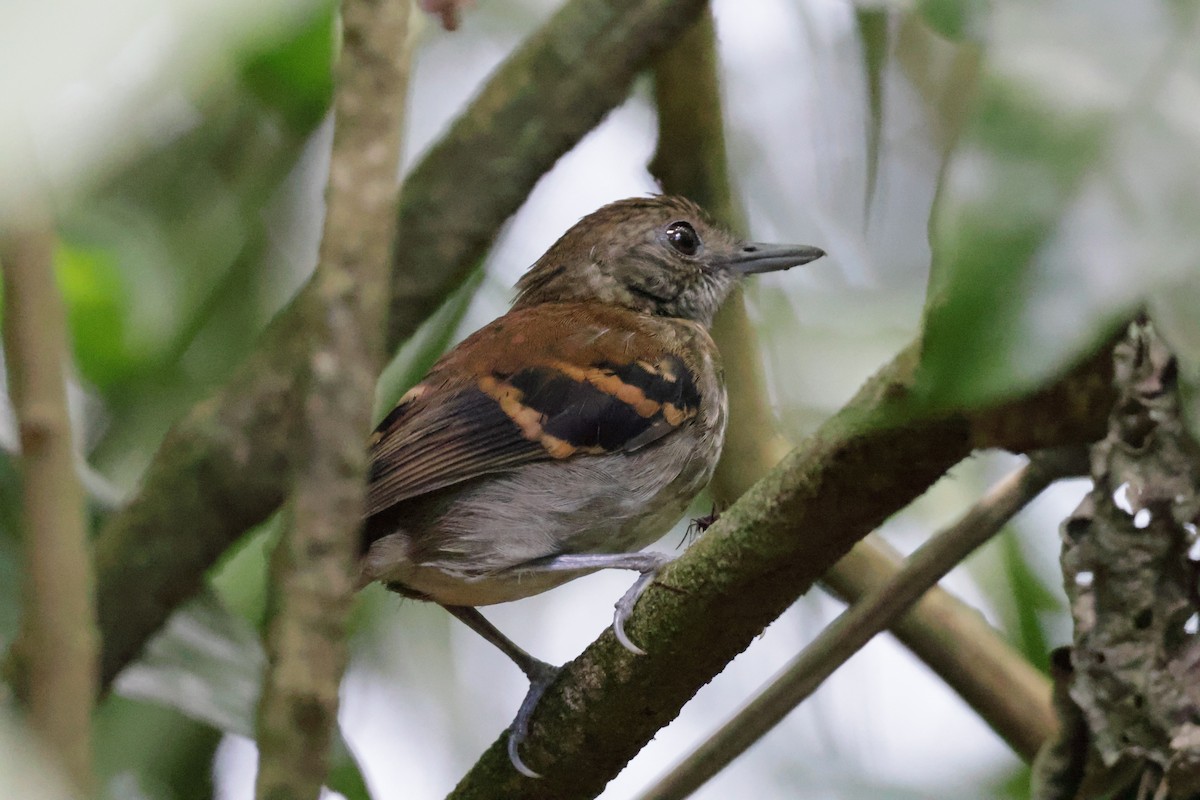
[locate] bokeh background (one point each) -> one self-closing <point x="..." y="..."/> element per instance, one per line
<point x="186" y="145"/>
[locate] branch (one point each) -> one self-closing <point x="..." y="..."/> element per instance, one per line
<point x="223" y="468"/>
<point x="874" y="613"/>
<point x="58" y="646"/>
<point x="952" y="638"/>
<point x="313" y="567"/>
<point x="770" y="547"/>
<point x="955" y="641"/>
<point x="690" y="158"/>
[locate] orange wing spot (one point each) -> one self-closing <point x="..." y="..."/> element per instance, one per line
<point x="632" y="396"/>
<point x="509" y="398"/>
<point x="667" y="370"/>
<point x="561" y="448"/>
<point x="628" y="394"/>
<point x="557" y="448"/>
<point x="675" y="415"/>
<point x="646" y="365"/>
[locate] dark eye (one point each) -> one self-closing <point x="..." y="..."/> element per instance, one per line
<point x="683" y="238"/>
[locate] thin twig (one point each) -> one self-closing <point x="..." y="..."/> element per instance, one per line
<point x="58" y="642"/>
<point x="955" y="641"/>
<point x="859" y="624"/>
<point x="313" y="570"/>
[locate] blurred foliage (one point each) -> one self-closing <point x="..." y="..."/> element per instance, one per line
<point x="1063" y="138"/>
<point x="10" y="548"/>
<point x="1067" y="206"/>
<point x="1029" y="600"/>
<point x="207" y="664"/>
<point x="169" y="268"/>
<point x="148" y="749"/>
<point x="295" y="78"/>
<point x="172" y="267"/>
<point x="955" y="19"/>
<point x="93" y="286"/>
<point x="419" y="353"/>
<point x="1013" y="787"/>
<point x="24" y="771"/>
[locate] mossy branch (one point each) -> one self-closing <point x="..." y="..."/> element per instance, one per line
<point x="871" y="615"/>
<point x="864" y="464"/>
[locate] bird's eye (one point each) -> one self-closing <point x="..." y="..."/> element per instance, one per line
<point x="683" y="238"/>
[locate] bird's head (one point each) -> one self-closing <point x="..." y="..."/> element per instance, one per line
<point x="654" y="255"/>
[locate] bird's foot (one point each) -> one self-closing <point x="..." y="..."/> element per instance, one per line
<point x="649" y="563"/>
<point x="540" y="675"/>
<point x="654" y="562"/>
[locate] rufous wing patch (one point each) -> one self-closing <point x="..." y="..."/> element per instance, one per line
<point x="598" y="408"/>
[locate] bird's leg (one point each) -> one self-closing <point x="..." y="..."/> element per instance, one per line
<point x="649" y="563"/>
<point x="539" y="673"/>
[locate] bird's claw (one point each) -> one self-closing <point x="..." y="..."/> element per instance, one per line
<point x="540" y="678"/>
<point x="624" y="607"/>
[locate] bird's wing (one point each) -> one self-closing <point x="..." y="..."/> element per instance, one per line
<point x="537" y="384"/>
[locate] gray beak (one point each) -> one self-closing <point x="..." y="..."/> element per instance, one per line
<point x="755" y="257"/>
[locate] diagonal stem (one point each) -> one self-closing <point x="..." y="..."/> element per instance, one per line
<point x="862" y="621"/>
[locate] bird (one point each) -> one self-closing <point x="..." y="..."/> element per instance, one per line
<point x="569" y="433"/>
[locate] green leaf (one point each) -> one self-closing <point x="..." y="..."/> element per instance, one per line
<point x="296" y="76"/>
<point x="97" y="307"/>
<point x="873" y="25"/>
<point x="1069" y="203"/>
<point x="954" y="19"/>
<point x="206" y="663"/>
<point x="1030" y="600"/>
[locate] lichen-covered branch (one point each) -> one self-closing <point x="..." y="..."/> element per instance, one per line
<point x="58" y="647"/>
<point x="1130" y="572"/>
<point x="770" y="547"/>
<point x="313" y="570"/>
<point x="223" y="468"/>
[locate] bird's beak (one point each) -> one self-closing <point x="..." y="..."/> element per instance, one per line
<point x="754" y="257"/>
